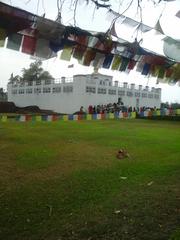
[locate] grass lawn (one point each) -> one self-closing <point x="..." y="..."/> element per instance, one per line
<point x="62" y="180"/>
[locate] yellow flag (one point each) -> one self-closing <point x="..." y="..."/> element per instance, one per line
<point x="116" y="62"/>
<point x="66" y="54"/>
<point x="4" y="118"/>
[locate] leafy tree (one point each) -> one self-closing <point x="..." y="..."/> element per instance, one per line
<point x="15" y="79"/>
<point x="35" y="72"/>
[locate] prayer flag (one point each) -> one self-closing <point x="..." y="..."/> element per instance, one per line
<point x="89" y="117"/>
<point x="92" y="41"/>
<point x="29" y="45"/>
<point x="79" y="52"/>
<point x="14" y="41"/>
<point x="140" y="65"/>
<point x="124" y="64"/>
<point x="66" y="53"/>
<point x="169" y="72"/>
<point x="43" y="50"/>
<point x="38" y="118"/>
<point x="161" y="73"/>
<point x="49" y="118"/>
<point x="146" y="69"/>
<point x="99" y="59"/>
<point x="4" y="118"/>
<point x="75" y="117"/>
<point x="22" y="118"/>
<point x="107" y="61"/>
<point x="89" y="56"/>
<point x="111" y="115"/>
<point x="98" y="116"/>
<point x="178" y="111"/>
<point x="131" y="64"/>
<point x="116" y="62"/>
<point x="65" y="117"/>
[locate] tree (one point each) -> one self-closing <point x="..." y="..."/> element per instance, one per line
<point x="34" y="73"/>
<point x="15" y="79"/>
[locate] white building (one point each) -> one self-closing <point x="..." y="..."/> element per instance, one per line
<point x="68" y="95"/>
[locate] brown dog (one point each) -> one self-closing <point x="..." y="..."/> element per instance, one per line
<point x="122" y="154"/>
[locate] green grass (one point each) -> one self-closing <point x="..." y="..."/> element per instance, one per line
<point x="62" y="180"/>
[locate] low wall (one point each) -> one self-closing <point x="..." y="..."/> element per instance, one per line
<point x="70" y="117"/>
<point x="158" y="113"/>
<point x="77" y="117"/>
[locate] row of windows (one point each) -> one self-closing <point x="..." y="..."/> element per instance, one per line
<point x="66" y="89"/>
<point x="38" y="82"/>
<point x="120" y="92"/>
<point x="90" y="89"/>
<point x="112" y="92"/>
<point x="101" y="90"/>
<point x="137" y="94"/>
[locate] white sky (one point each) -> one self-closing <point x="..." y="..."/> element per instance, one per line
<point x="13" y="61"/>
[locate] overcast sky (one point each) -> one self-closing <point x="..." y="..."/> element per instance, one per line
<point x="12" y="61"/>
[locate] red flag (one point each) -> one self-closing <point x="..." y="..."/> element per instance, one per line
<point x="29" y="45"/>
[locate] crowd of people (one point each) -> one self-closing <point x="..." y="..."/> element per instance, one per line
<point x="115" y="107"/>
<point x="118" y="108"/>
<point x="106" y="108"/>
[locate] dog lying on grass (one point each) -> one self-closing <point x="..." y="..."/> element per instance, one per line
<point x="122" y="154"/>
